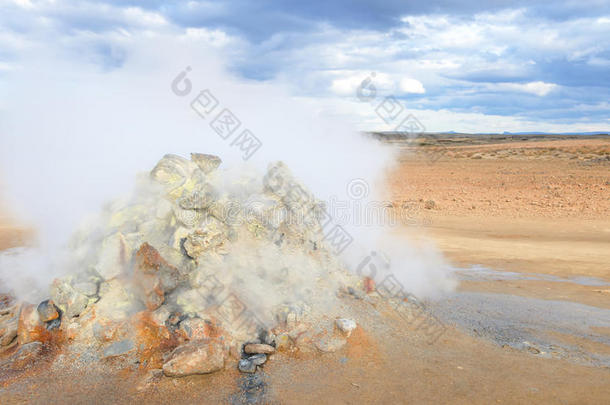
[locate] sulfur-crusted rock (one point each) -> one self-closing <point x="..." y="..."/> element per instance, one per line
<point x="172" y="171"/>
<point x="67" y="298"/>
<point x="197" y="357"/>
<point x="200" y="198"/>
<point x="210" y="238"/>
<point x="207" y="163"/>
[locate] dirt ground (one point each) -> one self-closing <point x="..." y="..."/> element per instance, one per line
<point x="531" y="207"/>
<point x="525" y="206"/>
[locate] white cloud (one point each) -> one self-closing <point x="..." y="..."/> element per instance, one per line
<point x="348" y="84"/>
<point x="538" y="88"/>
<point x="409" y="85"/>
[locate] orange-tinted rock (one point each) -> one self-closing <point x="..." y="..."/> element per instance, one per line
<point x="197" y="357"/>
<point x="153" y="340"/>
<point x="47" y="311"/>
<point x="148" y="273"/>
<point x="29" y="327"/>
<point x="196" y="329"/>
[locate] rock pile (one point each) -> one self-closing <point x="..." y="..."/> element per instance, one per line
<point x="197" y="267"/>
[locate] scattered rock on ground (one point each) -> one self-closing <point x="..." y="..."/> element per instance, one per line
<point x="246" y="366"/>
<point x="346" y="326"/>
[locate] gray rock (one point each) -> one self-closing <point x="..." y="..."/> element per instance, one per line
<point x="346" y="326"/>
<point x="258" y="359"/>
<point x="246" y="366"/>
<point x="119" y="348"/>
<point x="54" y="324"/>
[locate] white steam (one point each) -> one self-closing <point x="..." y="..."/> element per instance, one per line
<point x="73" y="137"/>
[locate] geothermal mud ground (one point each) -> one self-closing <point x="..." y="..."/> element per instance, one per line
<point x="525" y="221"/>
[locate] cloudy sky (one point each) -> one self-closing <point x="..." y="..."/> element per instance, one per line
<point x="537" y="65"/>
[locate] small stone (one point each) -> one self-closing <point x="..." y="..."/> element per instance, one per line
<point x="256" y="348"/>
<point x="196" y="357"/>
<point x="346" y="326"/>
<point x="47" y="311"/>
<point x="429" y="204"/>
<point x="355" y="293"/>
<point x="246" y="366"/>
<point x="258" y="359"/>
